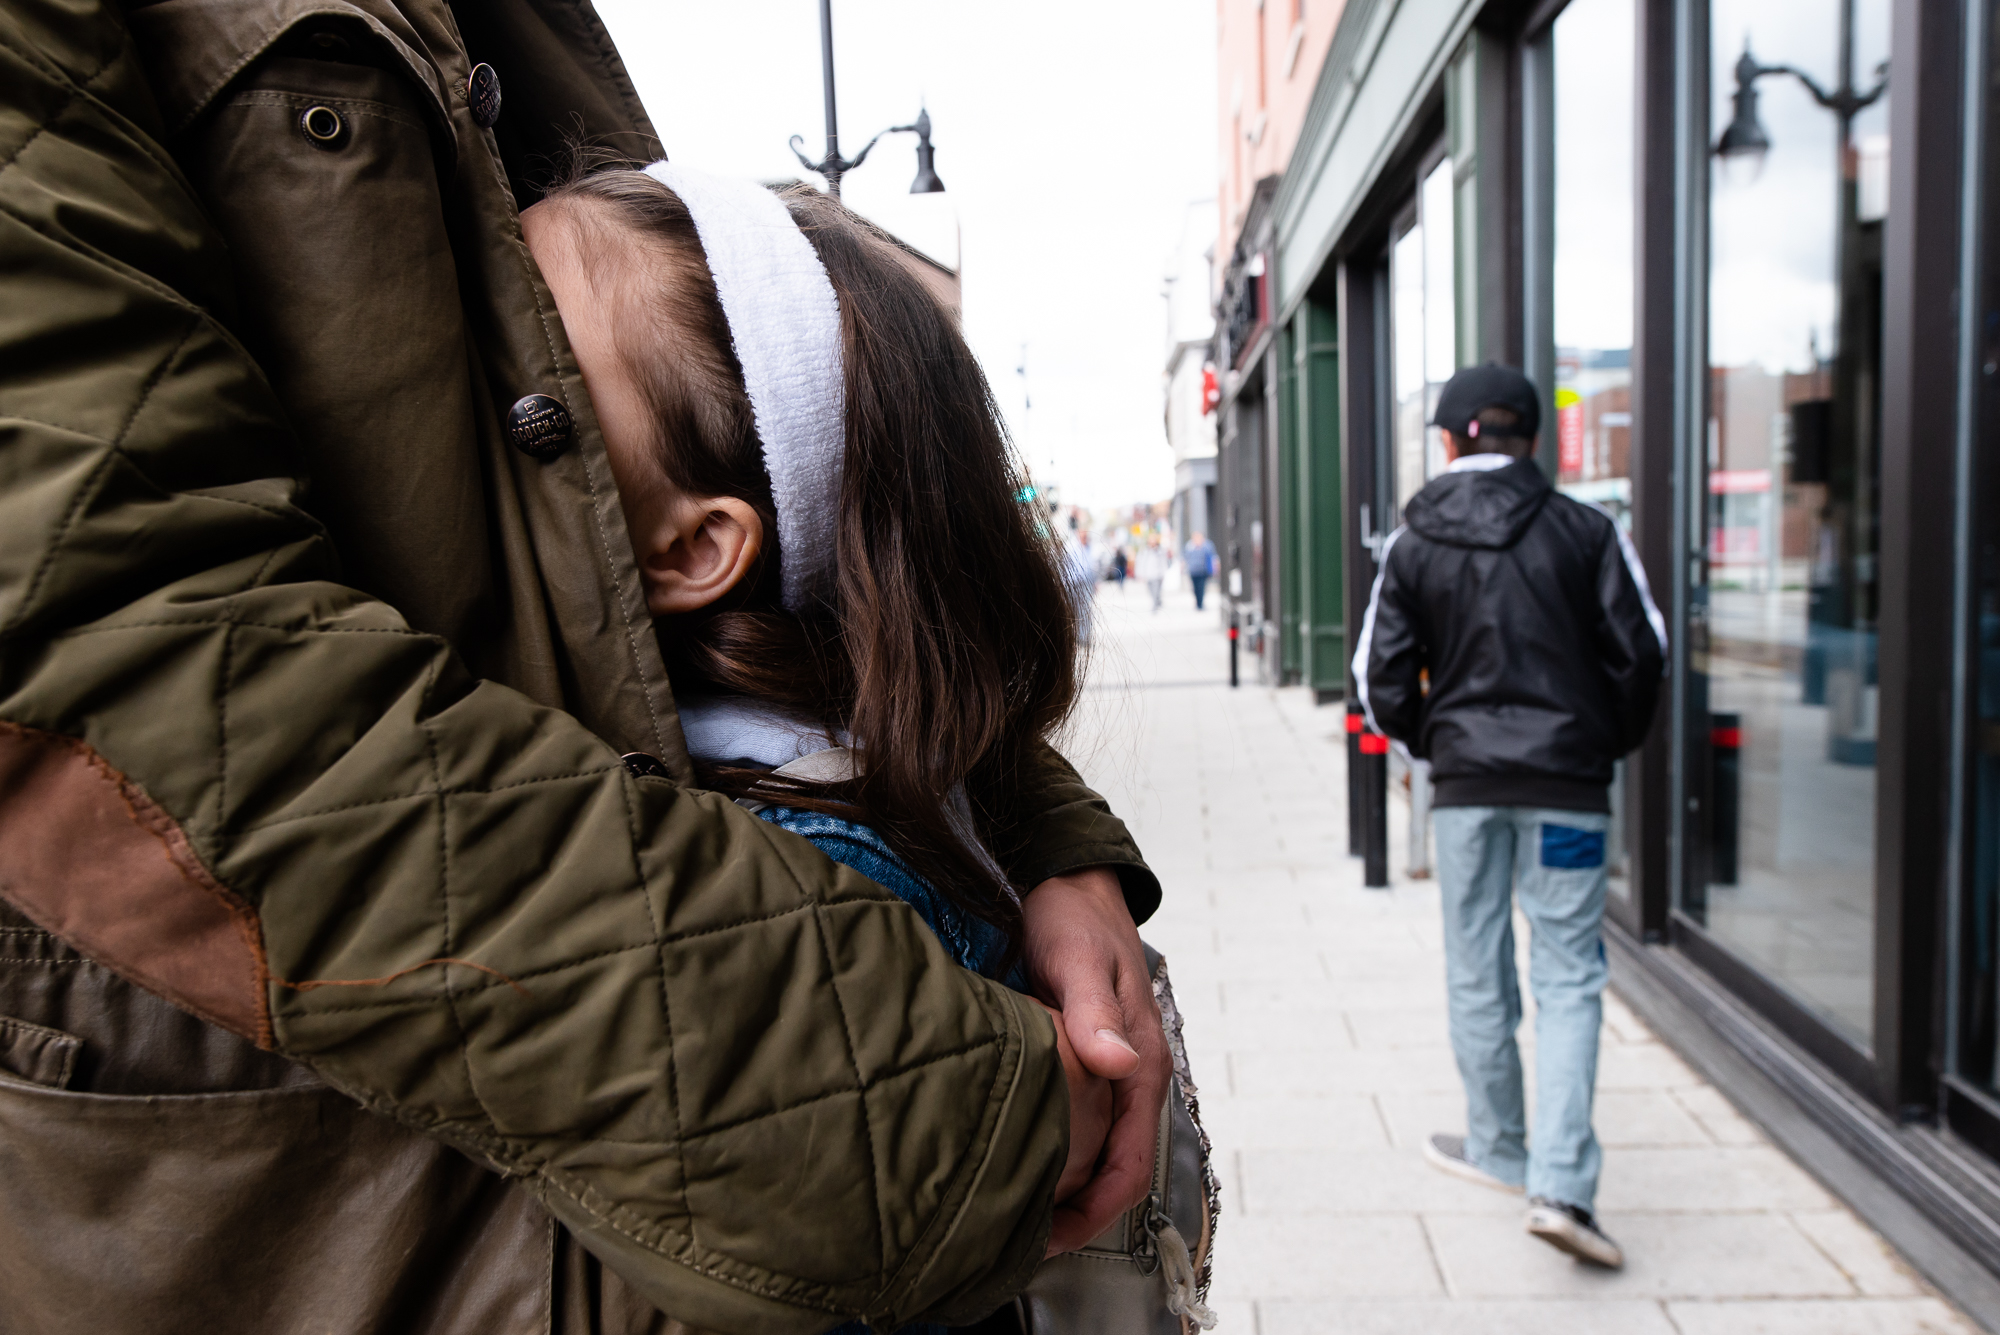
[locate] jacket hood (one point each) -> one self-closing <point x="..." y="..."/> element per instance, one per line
<point x="1487" y="509"/>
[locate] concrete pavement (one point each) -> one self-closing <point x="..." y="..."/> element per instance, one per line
<point x="1316" y="1028"/>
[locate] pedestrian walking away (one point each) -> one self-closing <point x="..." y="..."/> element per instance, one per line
<point x="1121" y="566"/>
<point x="1532" y="619"/>
<point x="1153" y="569"/>
<point x="1200" y="557"/>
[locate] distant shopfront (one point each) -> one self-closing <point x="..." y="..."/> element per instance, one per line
<point x="1279" y="521"/>
<point x="1741" y="247"/>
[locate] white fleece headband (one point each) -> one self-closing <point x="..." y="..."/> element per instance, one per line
<point x="785" y="323"/>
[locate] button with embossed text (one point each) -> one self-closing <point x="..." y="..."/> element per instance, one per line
<point x="482" y="94"/>
<point x="539" y="426"/>
<point x="643" y="766"/>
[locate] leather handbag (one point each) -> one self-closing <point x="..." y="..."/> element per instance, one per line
<point x="1148" y="1274"/>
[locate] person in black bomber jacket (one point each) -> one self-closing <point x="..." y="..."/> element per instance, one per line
<point x="1512" y="641"/>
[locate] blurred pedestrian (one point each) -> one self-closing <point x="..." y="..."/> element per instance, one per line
<point x="1120" y="567"/>
<point x="1081" y="570"/>
<point x="1531" y="615"/>
<point x="1200" y="558"/>
<point x="1153" y="568"/>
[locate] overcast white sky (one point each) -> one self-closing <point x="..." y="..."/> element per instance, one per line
<point x="1594" y="130"/>
<point x="1070" y="139"/>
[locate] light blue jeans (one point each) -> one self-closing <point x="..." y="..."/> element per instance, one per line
<point x="1554" y="862"/>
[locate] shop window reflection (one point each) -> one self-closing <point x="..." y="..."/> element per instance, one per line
<point x="1593" y="61"/>
<point x="1783" y="634"/>
<point x="1592" y="58"/>
<point x="1425" y="330"/>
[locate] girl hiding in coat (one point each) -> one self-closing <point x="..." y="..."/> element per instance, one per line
<point x="867" y="629"/>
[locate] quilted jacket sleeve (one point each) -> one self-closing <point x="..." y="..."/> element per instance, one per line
<point x="1064" y="826"/>
<point x="262" y="795"/>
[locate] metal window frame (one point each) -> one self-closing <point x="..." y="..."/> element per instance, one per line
<point x="1971" y="1112"/>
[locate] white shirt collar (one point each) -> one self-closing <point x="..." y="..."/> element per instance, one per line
<point x="1478" y="463"/>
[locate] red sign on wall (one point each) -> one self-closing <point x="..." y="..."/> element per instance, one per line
<point x="1569" y="433"/>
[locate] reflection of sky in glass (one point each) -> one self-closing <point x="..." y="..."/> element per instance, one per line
<point x="1425" y="332"/>
<point x="1407" y="276"/>
<point x="1771" y="240"/>
<point x="1594" y="136"/>
<point x="1440" y="322"/>
<point x="1594" y="61"/>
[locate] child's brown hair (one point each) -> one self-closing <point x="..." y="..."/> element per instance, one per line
<point x="948" y="651"/>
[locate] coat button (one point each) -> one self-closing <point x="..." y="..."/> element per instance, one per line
<point x="482" y="94"/>
<point x="323" y="128"/>
<point x="643" y="766"/>
<point x="539" y="426"/>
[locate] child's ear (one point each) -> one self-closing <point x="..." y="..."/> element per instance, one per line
<point x="700" y="548"/>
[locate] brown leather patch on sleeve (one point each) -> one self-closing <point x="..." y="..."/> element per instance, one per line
<point x="91" y="858"/>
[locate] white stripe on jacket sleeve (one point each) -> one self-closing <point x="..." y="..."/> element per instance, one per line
<point x="1368" y="628"/>
<point x="1638" y="573"/>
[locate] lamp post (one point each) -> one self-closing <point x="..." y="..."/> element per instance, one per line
<point x="1841" y="612"/>
<point x="833" y="166"/>
<point x="1745" y="136"/>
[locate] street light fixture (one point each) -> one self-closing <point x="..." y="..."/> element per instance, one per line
<point x="1745" y="135"/>
<point x="833" y="166"/>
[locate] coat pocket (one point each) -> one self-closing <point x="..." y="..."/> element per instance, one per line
<point x="38" y="1054"/>
<point x="252" y="1211"/>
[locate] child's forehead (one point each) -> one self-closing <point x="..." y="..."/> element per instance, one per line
<point x="625" y="273"/>
<point x="600" y="237"/>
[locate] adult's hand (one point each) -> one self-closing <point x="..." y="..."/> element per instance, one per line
<point x="1086" y="963"/>
<point x="1089" y="1114"/>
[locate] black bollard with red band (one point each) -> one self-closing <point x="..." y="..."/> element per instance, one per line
<point x="1357" y="722"/>
<point x="1233" y="634"/>
<point x="1725" y="796"/>
<point x="1374" y="748"/>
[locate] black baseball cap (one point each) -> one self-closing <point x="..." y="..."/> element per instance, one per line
<point x="1478" y="388"/>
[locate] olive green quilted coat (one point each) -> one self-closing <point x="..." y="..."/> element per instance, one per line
<point x="746" y="1078"/>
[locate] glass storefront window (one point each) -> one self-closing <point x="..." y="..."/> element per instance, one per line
<point x="1425" y="330"/>
<point x="1593" y="60"/>
<point x="1592" y="56"/>
<point x="1783" y="628"/>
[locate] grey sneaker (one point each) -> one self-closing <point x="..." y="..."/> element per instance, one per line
<point x="1573" y="1229"/>
<point x="1447" y="1155"/>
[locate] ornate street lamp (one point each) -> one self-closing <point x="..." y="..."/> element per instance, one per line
<point x="1745" y="135"/>
<point x="833" y="166"/>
